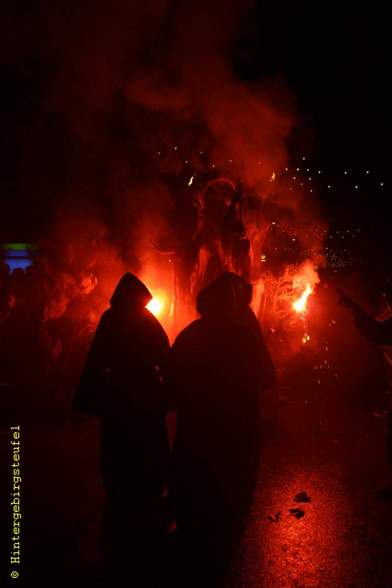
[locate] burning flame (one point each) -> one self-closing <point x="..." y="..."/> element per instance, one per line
<point x="155" y="306"/>
<point x="300" y="304"/>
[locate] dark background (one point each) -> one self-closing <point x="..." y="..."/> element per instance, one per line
<point x="334" y="59"/>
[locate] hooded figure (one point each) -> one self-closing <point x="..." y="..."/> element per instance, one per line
<point x="215" y="378"/>
<point x="121" y="384"/>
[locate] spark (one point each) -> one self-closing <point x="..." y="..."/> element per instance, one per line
<point x="190" y="181"/>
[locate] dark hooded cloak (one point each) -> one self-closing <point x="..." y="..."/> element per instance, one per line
<point x="122" y="384"/>
<point x="215" y="377"/>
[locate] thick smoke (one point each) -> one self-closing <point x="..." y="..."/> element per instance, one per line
<point x="138" y="95"/>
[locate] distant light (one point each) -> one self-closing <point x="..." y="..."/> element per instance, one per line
<point x="345" y="173"/>
<point x="329" y="186"/>
<point x="381" y="184"/>
<point x="18" y="263"/>
<point x="18" y="255"/>
<point x="356" y="187"/>
<point x="175" y="148"/>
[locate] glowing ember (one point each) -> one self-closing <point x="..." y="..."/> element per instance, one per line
<point x="155" y="306"/>
<point x="190" y="181"/>
<point x="300" y="304"/>
<point x="305" y="338"/>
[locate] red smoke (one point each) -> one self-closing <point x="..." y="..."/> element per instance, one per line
<point x="137" y="90"/>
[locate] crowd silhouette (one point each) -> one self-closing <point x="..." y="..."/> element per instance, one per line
<point x="47" y="321"/>
<point x="174" y="511"/>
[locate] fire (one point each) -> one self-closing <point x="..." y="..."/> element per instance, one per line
<point x="305" y="338"/>
<point x="300" y="304"/>
<point x="155" y="306"/>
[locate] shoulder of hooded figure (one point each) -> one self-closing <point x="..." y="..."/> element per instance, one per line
<point x="246" y="334"/>
<point x="104" y="321"/>
<point x="105" y="317"/>
<point x="156" y="327"/>
<point x="186" y="334"/>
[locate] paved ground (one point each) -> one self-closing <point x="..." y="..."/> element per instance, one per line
<point x="343" y="539"/>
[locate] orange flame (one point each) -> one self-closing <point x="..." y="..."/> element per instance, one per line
<point x="155" y="306"/>
<point x="300" y="304"/>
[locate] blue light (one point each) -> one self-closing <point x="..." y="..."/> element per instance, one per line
<point x="18" y="262"/>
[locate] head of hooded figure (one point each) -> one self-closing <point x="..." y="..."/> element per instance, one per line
<point x="243" y="291"/>
<point x="216" y="301"/>
<point x="130" y="295"/>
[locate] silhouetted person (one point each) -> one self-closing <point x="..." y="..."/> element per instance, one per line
<point x="216" y="380"/>
<point x="121" y="383"/>
<point x="379" y="332"/>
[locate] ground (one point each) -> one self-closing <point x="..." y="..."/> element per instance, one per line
<point x="342" y="538"/>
